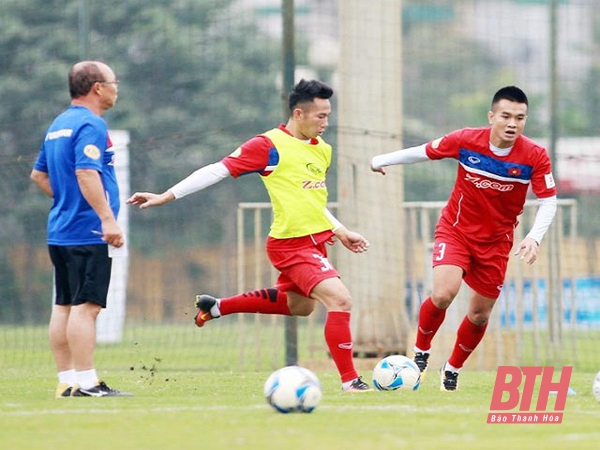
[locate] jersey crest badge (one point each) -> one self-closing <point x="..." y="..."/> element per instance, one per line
<point x="91" y="151"/>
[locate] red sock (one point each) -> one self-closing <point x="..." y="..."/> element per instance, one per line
<point x="264" y="301"/>
<point x="468" y="337"/>
<point x="430" y="320"/>
<point x="339" y="341"/>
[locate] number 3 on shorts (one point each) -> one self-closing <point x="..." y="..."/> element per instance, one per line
<point x="440" y="251"/>
<point x="326" y="265"/>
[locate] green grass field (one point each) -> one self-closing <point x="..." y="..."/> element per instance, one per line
<point x="181" y="410"/>
<point x="179" y="403"/>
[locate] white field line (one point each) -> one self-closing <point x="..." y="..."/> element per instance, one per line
<point x="18" y="411"/>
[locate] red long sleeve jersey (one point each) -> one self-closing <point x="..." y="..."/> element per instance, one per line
<point x="490" y="191"/>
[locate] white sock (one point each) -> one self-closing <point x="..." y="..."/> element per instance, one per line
<point x="347" y="384"/>
<point x="215" y="311"/>
<point x="67" y="376"/>
<point x="86" y="378"/>
<point x="451" y="368"/>
<point x="418" y="350"/>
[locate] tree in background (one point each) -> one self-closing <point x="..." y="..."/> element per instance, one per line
<point x="196" y="79"/>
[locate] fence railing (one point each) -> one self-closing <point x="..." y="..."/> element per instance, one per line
<point x="538" y="304"/>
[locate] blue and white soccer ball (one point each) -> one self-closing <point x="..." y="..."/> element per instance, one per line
<point x="596" y="387"/>
<point x="293" y="389"/>
<point x="396" y="372"/>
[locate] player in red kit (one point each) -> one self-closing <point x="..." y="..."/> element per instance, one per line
<point x="474" y="235"/>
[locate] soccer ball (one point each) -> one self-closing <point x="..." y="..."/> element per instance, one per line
<point x="396" y="372"/>
<point x="596" y="387"/>
<point x="293" y="389"/>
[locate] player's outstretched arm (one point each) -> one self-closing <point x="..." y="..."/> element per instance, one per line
<point x="147" y="199"/>
<point x="406" y="156"/>
<point x="200" y="179"/>
<point x="381" y="170"/>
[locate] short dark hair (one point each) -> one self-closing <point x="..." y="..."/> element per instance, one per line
<point x="82" y="77"/>
<point x="306" y="91"/>
<point x="511" y="93"/>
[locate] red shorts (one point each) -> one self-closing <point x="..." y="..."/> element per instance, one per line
<point x="302" y="262"/>
<point x="484" y="265"/>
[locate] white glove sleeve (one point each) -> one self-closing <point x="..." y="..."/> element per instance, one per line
<point x="543" y="218"/>
<point x="405" y="156"/>
<point x="200" y="179"/>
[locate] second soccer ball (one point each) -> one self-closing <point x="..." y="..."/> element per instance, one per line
<point x="396" y="372"/>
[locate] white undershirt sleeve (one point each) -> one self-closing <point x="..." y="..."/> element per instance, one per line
<point x="336" y="223"/>
<point x="543" y="218"/>
<point x="406" y="156"/>
<point x="200" y="179"/>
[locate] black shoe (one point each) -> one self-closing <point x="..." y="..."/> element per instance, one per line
<point x="420" y="360"/>
<point x="100" y="390"/>
<point x="204" y="303"/>
<point x="63" y="390"/>
<point x="358" y="385"/>
<point x="448" y="380"/>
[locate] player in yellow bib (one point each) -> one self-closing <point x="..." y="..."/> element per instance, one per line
<point x="292" y="160"/>
<point x="297" y="188"/>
